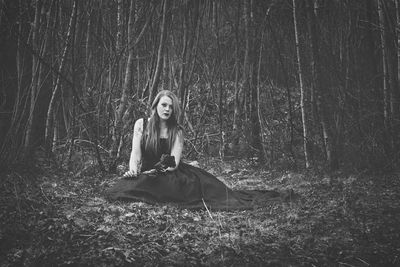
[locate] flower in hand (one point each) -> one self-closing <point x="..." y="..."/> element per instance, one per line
<point x="165" y="162"/>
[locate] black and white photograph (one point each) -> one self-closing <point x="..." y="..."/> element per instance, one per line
<point x="200" y="133"/>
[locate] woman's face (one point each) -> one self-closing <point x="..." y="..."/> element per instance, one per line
<point x="164" y="108"/>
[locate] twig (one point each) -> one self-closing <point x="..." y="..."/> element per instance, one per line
<point x="219" y="220"/>
<point x="17" y="197"/>
<point x="41" y="189"/>
<point x="90" y="142"/>
<point x="209" y="213"/>
<point x="88" y="237"/>
<point x="194" y="147"/>
<point x="346" y="264"/>
<point x="363" y="261"/>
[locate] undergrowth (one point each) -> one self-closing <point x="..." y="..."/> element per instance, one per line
<point x="53" y="217"/>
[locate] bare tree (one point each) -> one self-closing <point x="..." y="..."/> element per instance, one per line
<point x="34" y="87"/>
<point x="304" y="99"/>
<point x="116" y="137"/>
<point x="211" y="49"/>
<point x="396" y="78"/>
<point x="397" y="30"/>
<point x="50" y="110"/>
<point x="250" y="29"/>
<point x="236" y="111"/>
<point x="385" y="74"/>
<point x="320" y="88"/>
<point x="191" y="30"/>
<point x="163" y="34"/>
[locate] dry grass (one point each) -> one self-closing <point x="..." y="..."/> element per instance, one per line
<point x="61" y="219"/>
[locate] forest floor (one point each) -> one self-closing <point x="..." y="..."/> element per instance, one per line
<point x="50" y="217"/>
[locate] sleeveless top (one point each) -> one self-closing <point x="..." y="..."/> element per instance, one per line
<point x="149" y="158"/>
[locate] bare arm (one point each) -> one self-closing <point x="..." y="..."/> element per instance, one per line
<point x="176" y="150"/>
<point x="136" y="153"/>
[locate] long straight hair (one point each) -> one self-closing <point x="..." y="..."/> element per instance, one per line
<point x="153" y="126"/>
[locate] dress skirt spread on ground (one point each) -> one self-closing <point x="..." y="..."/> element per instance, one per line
<point x="187" y="187"/>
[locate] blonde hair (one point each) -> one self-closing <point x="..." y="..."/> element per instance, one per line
<point x="152" y="143"/>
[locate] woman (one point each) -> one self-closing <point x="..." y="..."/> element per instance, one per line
<point x="162" y="132"/>
<point x="176" y="182"/>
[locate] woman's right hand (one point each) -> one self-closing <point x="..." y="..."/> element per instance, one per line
<point x="129" y="174"/>
<point x="152" y="171"/>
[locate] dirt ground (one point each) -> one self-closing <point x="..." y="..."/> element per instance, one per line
<point x="50" y="217"/>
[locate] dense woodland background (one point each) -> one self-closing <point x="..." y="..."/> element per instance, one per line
<point x="298" y="96"/>
<point x="302" y="83"/>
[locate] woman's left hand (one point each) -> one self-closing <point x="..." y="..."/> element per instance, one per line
<point x="129" y="174"/>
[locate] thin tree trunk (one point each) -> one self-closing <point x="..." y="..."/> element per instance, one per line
<point x="20" y="74"/>
<point x="156" y="78"/>
<point x="1" y="12"/>
<point x="391" y="57"/>
<point x="34" y="81"/>
<point x="120" y="26"/>
<point x="259" y="116"/>
<point x="49" y="120"/>
<point x="278" y="45"/>
<point x="220" y="85"/>
<point x="182" y="86"/>
<point x="396" y="90"/>
<point x="19" y="57"/>
<point x="10" y="144"/>
<point x="397" y="30"/>
<point x="88" y="50"/>
<point x="386" y="108"/>
<point x="116" y="137"/>
<point x="119" y="47"/>
<point x="249" y="84"/>
<point x="245" y="74"/>
<point x="221" y="150"/>
<point x="71" y="127"/>
<point x="303" y="96"/>
<point x="39" y="50"/>
<point x="320" y="89"/>
<point x="55" y="132"/>
<point x="140" y="90"/>
<point x="236" y="112"/>
<point x="194" y="41"/>
<point x="385" y="77"/>
<point x="189" y="55"/>
<point x="164" y="84"/>
<point x="138" y="71"/>
<point x="246" y="66"/>
<point x="373" y="60"/>
<point x="138" y="66"/>
<point x="50" y="36"/>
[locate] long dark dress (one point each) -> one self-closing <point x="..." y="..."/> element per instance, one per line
<point x="186" y="187"/>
